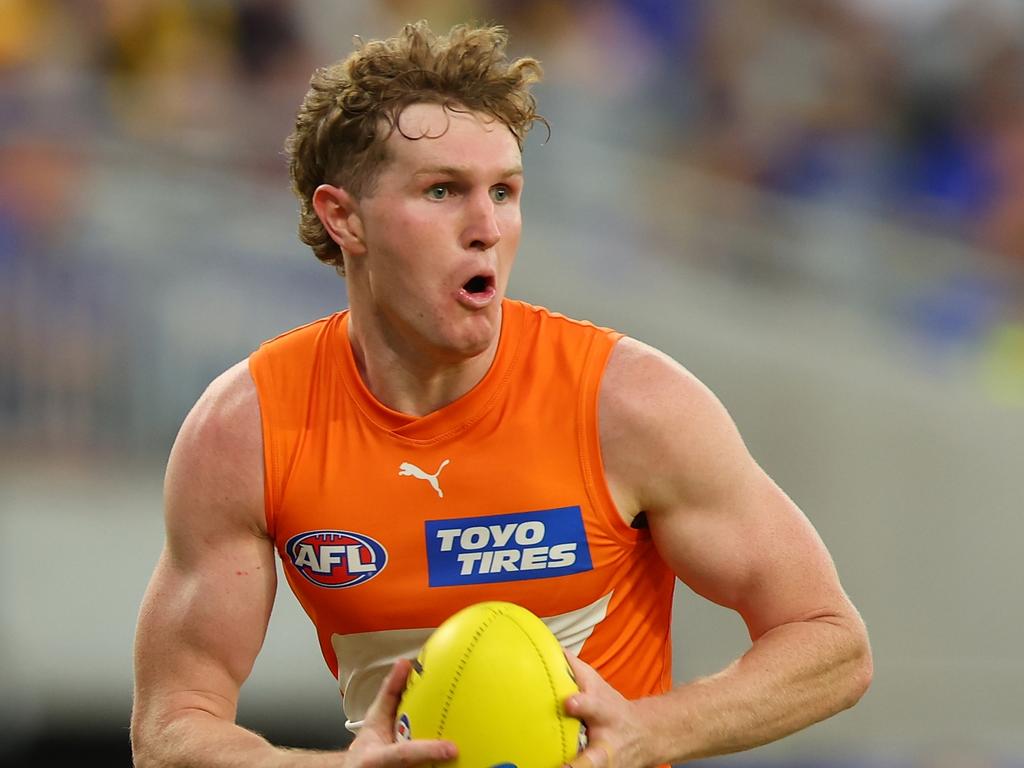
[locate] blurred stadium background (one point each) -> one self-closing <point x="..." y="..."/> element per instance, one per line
<point x="816" y="205"/>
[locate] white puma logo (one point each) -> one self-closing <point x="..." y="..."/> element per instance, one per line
<point x="406" y="469"/>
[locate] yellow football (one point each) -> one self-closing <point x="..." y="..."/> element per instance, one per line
<point x="492" y="679"/>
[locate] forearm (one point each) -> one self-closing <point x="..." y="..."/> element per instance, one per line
<point x="198" y="739"/>
<point x="793" y="676"/>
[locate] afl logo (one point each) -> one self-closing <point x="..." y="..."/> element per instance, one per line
<point x="336" y="559"/>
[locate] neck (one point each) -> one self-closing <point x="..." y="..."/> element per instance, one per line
<point x="408" y="378"/>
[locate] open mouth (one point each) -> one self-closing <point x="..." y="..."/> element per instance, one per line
<point x="478" y="285"/>
<point x="478" y="291"/>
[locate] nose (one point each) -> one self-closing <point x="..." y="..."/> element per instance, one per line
<point x="481" y="231"/>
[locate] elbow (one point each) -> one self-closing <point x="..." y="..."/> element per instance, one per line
<point x="866" y="672"/>
<point x="860" y="680"/>
<point x="142" y="754"/>
<point x="145" y="739"/>
<point x="860" y="669"/>
<point x="141" y="759"/>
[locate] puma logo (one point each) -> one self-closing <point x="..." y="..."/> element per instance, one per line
<point x="406" y="469"/>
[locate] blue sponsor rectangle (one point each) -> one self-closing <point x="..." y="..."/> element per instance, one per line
<point x="514" y="547"/>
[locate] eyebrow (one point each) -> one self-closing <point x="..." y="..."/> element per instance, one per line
<point x="451" y="170"/>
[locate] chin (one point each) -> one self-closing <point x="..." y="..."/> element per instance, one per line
<point x="471" y="347"/>
<point x="475" y="337"/>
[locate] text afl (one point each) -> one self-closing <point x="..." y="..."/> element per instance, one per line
<point x="336" y="559"/>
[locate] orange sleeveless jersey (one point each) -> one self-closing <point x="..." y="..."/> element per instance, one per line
<point x="387" y="524"/>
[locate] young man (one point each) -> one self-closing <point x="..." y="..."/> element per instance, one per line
<point x="438" y="445"/>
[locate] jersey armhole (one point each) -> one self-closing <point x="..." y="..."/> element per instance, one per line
<point x="261" y="376"/>
<point x="596" y="362"/>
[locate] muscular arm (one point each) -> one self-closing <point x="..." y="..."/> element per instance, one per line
<point x="206" y="610"/>
<point x="733" y="536"/>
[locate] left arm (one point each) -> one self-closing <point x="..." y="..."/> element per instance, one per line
<point x="671" y="450"/>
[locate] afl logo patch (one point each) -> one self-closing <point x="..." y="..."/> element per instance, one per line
<point x="336" y="559"/>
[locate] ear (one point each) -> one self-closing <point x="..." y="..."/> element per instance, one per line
<point x="339" y="213"/>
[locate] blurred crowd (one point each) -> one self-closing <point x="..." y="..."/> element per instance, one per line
<point x="909" y="107"/>
<point x="911" y="111"/>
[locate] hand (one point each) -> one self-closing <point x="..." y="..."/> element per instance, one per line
<point x="614" y="733"/>
<point x="375" y="745"/>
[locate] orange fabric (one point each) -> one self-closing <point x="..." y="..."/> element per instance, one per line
<point x="523" y="465"/>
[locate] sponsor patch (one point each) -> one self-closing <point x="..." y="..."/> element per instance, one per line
<point x="514" y="547"/>
<point x="403" y="732"/>
<point x="336" y="559"/>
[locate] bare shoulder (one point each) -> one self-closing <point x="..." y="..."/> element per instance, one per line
<point x="641" y="380"/>
<point x="216" y="463"/>
<point x="664" y="434"/>
<point x="227" y="412"/>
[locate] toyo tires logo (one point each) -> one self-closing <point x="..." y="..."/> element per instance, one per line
<point x="336" y="559"/>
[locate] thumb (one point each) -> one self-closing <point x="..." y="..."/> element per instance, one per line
<point x="583" y="707"/>
<point x="586" y="676"/>
<point x="381" y="715"/>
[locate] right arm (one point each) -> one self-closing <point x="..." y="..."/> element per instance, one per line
<point x="205" y="613"/>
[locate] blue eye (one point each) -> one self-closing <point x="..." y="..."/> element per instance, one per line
<point x="500" y="194"/>
<point x="437" y="192"/>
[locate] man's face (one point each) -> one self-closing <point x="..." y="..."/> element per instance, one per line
<point x="441" y="230"/>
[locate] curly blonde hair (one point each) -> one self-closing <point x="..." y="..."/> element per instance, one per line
<point x="353" y="106"/>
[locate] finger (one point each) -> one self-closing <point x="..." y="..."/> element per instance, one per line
<point x="586" y="676"/>
<point x="405" y="754"/>
<point x="597" y="755"/>
<point x="381" y="714"/>
<point x="585" y="704"/>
